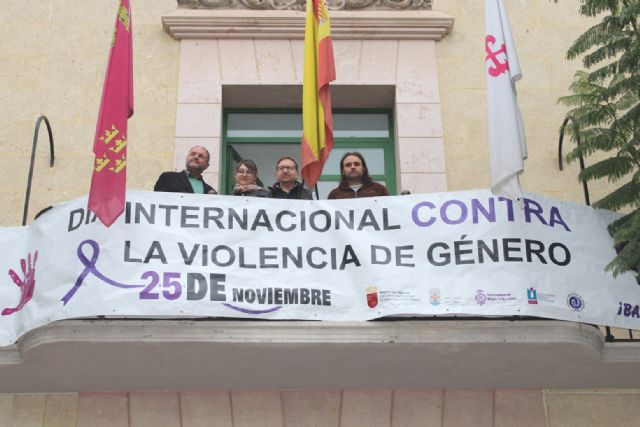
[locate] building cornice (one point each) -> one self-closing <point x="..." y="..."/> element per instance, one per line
<point x="301" y="4"/>
<point x="103" y="355"/>
<point x="187" y="23"/>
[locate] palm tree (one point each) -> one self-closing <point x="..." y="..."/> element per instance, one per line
<point x="605" y="108"/>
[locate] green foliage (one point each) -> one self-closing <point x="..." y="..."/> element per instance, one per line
<point x="605" y="107"/>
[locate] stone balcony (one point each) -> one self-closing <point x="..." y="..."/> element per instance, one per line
<point x="108" y="355"/>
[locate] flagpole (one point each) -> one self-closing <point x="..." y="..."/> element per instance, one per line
<point x="315" y="72"/>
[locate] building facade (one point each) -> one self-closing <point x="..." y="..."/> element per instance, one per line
<point x="226" y="74"/>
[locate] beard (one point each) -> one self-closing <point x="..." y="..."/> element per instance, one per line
<point x="194" y="167"/>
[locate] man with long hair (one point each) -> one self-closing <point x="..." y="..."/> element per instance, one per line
<point x="356" y="181"/>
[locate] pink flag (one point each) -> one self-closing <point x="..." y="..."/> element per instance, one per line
<point x="507" y="145"/>
<point x="108" y="185"/>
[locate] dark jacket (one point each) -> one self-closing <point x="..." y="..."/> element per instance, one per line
<point x="370" y="189"/>
<point x="260" y="192"/>
<point x="297" y="192"/>
<point x="178" y="182"/>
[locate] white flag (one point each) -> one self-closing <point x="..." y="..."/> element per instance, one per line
<point x="507" y="145"/>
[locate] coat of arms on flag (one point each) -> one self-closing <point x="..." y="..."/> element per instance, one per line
<point x="108" y="184"/>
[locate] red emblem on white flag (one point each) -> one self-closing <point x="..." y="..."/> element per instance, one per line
<point x="498" y="67"/>
<point x="507" y="145"/>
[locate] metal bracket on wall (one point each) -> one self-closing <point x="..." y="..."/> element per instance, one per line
<point x="33" y="158"/>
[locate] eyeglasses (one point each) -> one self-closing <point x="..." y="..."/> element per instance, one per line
<point x="244" y="172"/>
<point x="286" y="168"/>
<point x="355" y="164"/>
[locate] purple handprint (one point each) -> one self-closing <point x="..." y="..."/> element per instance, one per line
<point x="26" y="284"/>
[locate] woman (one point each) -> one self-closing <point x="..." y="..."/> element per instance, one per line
<point x="246" y="176"/>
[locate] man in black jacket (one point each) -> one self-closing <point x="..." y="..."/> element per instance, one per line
<point x="287" y="187"/>
<point x="189" y="180"/>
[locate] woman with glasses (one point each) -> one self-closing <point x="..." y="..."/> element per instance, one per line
<point x="246" y="180"/>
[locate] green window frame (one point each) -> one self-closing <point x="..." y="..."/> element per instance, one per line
<point x="231" y="144"/>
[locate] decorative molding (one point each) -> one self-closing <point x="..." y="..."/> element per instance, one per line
<point x="621" y="352"/>
<point x="287" y="24"/>
<point x="300" y="4"/>
<point x="101" y="355"/>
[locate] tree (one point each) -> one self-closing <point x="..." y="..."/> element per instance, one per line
<point x="605" y="108"/>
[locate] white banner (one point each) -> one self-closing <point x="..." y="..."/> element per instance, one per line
<point x="172" y="255"/>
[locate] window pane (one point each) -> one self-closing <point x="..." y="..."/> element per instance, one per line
<point x="266" y="136"/>
<point x="373" y="156"/>
<point x="360" y="125"/>
<point x="324" y="187"/>
<point x="264" y="125"/>
<point x="289" y="125"/>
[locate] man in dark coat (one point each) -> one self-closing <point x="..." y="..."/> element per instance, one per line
<point x="287" y="186"/>
<point x="189" y="180"/>
<point x="356" y="181"/>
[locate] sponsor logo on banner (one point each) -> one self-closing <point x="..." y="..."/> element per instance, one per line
<point x="372" y="297"/>
<point x="481" y="297"/>
<point x="536" y="297"/>
<point x="575" y="302"/>
<point x="549" y="298"/>
<point x="398" y="297"/>
<point x="628" y="310"/>
<point x="453" y="301"/>
<point x="434" y="296"/>
<point x="484" y="298"/>
<point x="499" y="298"/>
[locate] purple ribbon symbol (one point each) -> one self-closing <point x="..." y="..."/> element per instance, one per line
<point x="90" y="268"/>
<point x="89" y="263"/>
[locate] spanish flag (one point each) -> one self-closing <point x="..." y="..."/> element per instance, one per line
<point x="108" y="185"/>
<point x="319" y="70"/>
